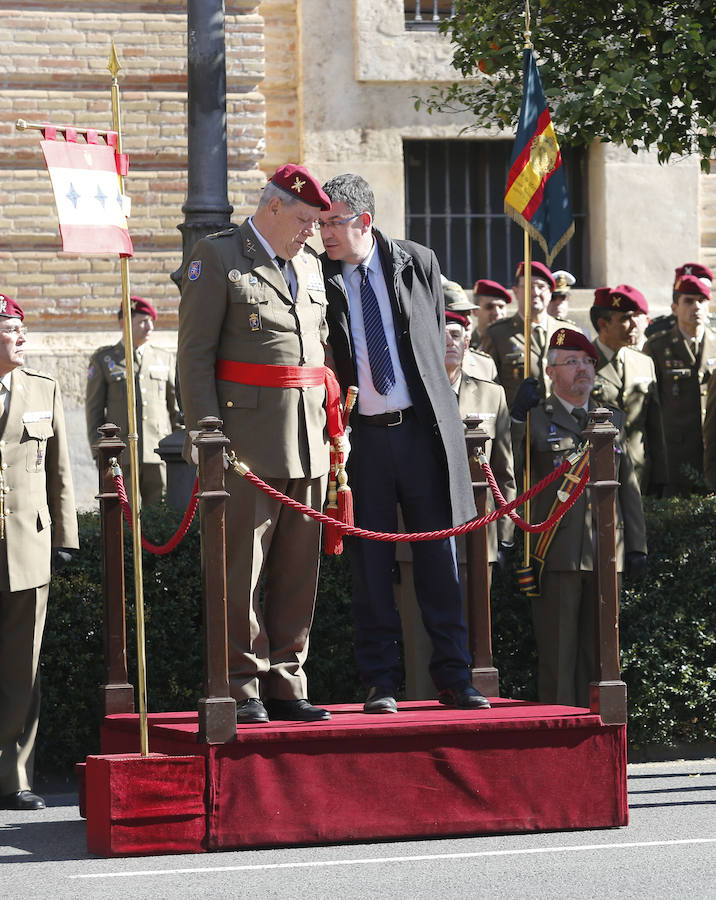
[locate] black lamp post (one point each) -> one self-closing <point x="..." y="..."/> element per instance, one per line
<point x="207" y="208"/>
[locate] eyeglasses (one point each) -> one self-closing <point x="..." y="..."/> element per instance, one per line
<point x="334" y="223"/>
<point x="588" y="363"/>
<point x="17" y="330"/>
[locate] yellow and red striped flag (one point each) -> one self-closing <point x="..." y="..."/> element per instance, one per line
<point x="536" y="196"/>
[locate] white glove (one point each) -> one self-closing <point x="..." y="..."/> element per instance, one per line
<point x="344" y="445"/>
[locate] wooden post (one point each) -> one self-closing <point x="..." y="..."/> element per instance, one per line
<point x="607" y="695"/>
<point x="484" y="675"/>
<point x="217" y="710"/>
<point x="116" y="694"/>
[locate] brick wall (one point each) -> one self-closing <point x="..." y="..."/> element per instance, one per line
<point x="53" y="66"/>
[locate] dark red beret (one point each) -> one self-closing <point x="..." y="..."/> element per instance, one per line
<point x="626" y="298"/>
<point x="538" y="270"/>
<point x="603" y="296"/>
<point x="452" y="316"/>
<point x="299" y="183"/>
<point x="568" y="339"/>
<point x="140" y="306"/>
<point x="692" y="284"/>
<point x="9" y="308"/>
<point x="487" y="288"/>
<point x="695" y="269"/>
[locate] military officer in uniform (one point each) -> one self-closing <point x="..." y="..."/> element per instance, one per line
<point x="252" y="319"/>
<point x="626" y="379"/>
<point x="491" y="301"/>
<point x="484" y="398"/>
<point x="559" y="301"/>
<point x="685" y="358"/>
<point x="505" y="340"/>
<point x="476" y="362"/>
<point x="38" y="528"/>
<point x="157" y="409"/>
<point x="563" y="616"/>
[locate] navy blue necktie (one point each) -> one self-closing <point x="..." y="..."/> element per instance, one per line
<point x="381" y="366"/>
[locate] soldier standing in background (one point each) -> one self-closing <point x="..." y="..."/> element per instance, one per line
<point x="476" y="362"/>
<point x="157" y="409"/>
<point x="626" y="379"/>
<point x="685" y="358"/>
<point x="38" y="529"/>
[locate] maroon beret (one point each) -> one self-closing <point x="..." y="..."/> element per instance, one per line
<point x="452" y="316"/>
<point x="568" y="339"/>
<point x="299" y="183"/>
<point x="538" y="270"/>
<point x="486" y="288"/>
<point x="140" y="306"/>
<point x="624" y="297"/>
<point x="9" y="308"/>
<point x="692" y="284"/>
<point x="695" y="269"/>
<point x="603" y="296"/>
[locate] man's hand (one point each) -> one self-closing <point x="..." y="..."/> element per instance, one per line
<point x="61" y="556"/>
<point x="505" y="552"/>
<point x="527" y="396"/>
<point x="635" y="565"/>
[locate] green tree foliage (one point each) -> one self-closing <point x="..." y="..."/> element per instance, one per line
<point x="637" y="73"/>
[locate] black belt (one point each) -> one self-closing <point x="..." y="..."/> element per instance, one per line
<point x="388" y="419"/>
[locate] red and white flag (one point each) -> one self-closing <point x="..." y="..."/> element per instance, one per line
<point x="88" y="193"/>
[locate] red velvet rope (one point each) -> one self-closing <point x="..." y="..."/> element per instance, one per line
<point x="181" y="530"/>
<point x="556" y="515"/>
<point x="472" y="525"/>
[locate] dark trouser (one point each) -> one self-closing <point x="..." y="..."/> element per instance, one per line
<point x="391" y="465"/>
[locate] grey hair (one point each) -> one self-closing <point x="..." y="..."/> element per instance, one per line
<point x="552" y="356"/>
<point x="352" y="190"/>
<point x="273" y="190"/>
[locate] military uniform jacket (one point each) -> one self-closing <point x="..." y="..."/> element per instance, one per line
<point x="683" y="382"/>
<point x="554" y="434"/>
<point x="479" y="364"/>
<point x="505" y="342"/>
<point x="38" y="497"/>
<point x="638" y="397"/>
<point x="106" y="396"/>
<point x="236" y="305"/>
<point x="488" y="401"/>
<point x="710" y="435"/>
<point x="412" y="276"/>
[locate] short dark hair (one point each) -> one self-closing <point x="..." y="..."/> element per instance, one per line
<point x="599" y="312"/>
<point x="352" y="190"/>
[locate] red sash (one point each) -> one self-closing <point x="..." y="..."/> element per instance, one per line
<point x="261" y="375"/>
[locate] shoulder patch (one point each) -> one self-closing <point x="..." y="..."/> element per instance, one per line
<point x="194" y="270"/>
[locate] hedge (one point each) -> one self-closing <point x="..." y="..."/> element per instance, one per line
<point x="668" y="639"/>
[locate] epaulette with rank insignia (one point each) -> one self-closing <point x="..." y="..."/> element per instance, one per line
<point x="225" y="232"/>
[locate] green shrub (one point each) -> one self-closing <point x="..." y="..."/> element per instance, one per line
<point x="667" y="630"/>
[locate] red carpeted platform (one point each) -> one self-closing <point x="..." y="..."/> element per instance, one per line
<point x="427" y="771"/>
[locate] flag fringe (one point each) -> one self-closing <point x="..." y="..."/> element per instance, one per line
<point x="537" y="235"/>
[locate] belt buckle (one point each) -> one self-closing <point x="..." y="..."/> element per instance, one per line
<point x="400" y="419"/>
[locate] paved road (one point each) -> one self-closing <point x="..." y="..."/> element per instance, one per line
<point x="667" y="851"/>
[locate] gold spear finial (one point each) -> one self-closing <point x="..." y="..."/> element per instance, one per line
<point x="113" y="64"/>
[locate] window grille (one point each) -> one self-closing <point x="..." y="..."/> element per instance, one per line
<point x="454" y="203"/>
<point x="427" y="14"/>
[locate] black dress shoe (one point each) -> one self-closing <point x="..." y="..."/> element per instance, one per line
<point x="22" y="800"/>
<point x="296" y="711"/>
<point x="380" y="700"/>
<point x="464" y="697"/>
<point x="251" y="710"/>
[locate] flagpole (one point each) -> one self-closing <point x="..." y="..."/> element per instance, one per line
<point x="527" y="278"/>
<point x="132" y="437"/>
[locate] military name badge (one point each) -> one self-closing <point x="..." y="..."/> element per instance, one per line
<point x="234" y="276"/>
<point x="40" y="415"/>
<point x="315" y="283"/>
<point x="194" y="270"/>
<point x="254" y="321"/>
